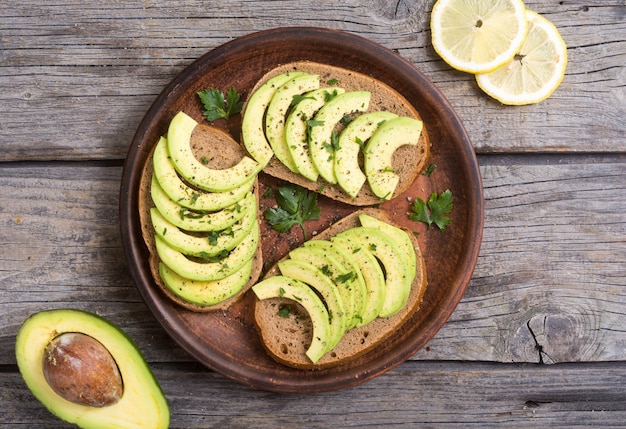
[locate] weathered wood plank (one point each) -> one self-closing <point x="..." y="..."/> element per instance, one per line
<point x="550" y="280"/>
<point x="551" y="271"/>
<point x="77" y="79"/>
<point x="416" y="394"/>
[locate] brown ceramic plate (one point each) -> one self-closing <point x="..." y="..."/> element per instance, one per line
<point x="226" y="341"/>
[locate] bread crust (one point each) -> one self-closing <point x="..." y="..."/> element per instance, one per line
<point x="205" y="142"/>
<point x="287" y="339"/>
<point x="383" y="98"/>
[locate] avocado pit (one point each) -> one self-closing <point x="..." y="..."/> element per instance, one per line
<point x="81" y="370"/>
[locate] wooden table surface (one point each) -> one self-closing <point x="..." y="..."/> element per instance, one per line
<point x="539" y="338"/>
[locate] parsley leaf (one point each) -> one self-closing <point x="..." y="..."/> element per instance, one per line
<point x="217" y="106"/>
<point x="429" y="170"/>
<point x="434" y="210"/>
<point x="295" y="206"/>
<point x="284" y="310"/>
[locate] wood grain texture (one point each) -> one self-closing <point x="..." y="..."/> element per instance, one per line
<point x="551" y="274"/>
<point x="416" y="394"/>
<point x="551" y="271"/>
<point x="78" y="77"/>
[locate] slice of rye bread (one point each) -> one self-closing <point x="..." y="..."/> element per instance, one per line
<point x="408" y="160"/>
<point x="206" y="143"/>
<point x="286" y="339"/>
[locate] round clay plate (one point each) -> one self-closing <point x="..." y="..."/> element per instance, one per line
<point x="226" y="341"/>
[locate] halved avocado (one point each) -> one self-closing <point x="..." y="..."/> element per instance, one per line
<point x="141" y="404"/>
<point x="351" y="140"/>
<point x="315" y="278"/>
<point x="186" y="196"/>
<point x="297" y="128"/>
<point x="326" y="119"/>
<point x="380" y="149"/>
<point x="252" y="128"/>
<point x="285" y="287"/>
<point x="196" y="173"/>
<point x="277" y="112"/>
<point x="199" y="221"/>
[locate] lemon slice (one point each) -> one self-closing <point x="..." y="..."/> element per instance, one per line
<point x="535" y="72"/>
<point x="477" y="36"/>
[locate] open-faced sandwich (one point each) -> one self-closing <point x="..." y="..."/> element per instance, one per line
<point x="333" y="131"/>
<point x="199" y="216"/>
<point x="341" y="133"/>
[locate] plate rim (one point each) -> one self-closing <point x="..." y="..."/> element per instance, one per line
<point x="129" y="217"/>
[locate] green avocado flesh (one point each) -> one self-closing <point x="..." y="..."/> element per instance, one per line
<point x="380" y="149"/>
<point x="206" y="293"/>
<point x="285" y="287"/>
<point x="196" y="173"/>
<point x="347" y="169"/>
<point x="361" y="274"/>
<point x="209" y="270"/>
<point x="324" y="285"/>
<point x="277" y="111"/>
<point x="325" y="132"/>
<point x="199" y="221"/>
<point x="184" y="195"/>
<point x="252" y="127"/>
<point x="297" y="129"/>
<point x="398" y="279"/>
<point x="327" y="118"/>
<point x="142" y="404"/>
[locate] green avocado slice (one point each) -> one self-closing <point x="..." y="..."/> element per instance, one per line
<point x="398" y="236"/>
<point x="297" y="129"/>
<point x="206" y="293"/>
<point x="252" y="128"/>
<point x="332" y="268"/>
<point x="142" y="403"/>
<point x="197" y="221"/>
<point x="196" y="173"/>
<point x="372" y="274"/>
<point x="349" y="175"/>
<point x="186" y="196"/>
<point x="398" y="277"/>
<point x="209" y="244"/>
<point x="285" y="287"/>
<point x="350" y="279"/>
<point x="380" y="149"/>
<point x="326" y="119"/>
<point x="208" y="271"/>
<point x="315" y="278"/>
<point x="277" y="112"/>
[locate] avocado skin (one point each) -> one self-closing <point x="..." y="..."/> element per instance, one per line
<point x="142" y="404"/>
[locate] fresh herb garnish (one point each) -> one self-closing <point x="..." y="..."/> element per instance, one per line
<point x="434" y="211"/>
<point x="333" y="146"/>
<point x="310" y="123"/>
<point x="295" y="206"/>
<point x="342" y="278"/>
<point x="330" y="95"/>
<point x="284" y="310"/>
<point x="429" y="170"/>
<point x="214" y="258"/>
<point x="217" y="106"/>
<point x="298" y="98"/>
